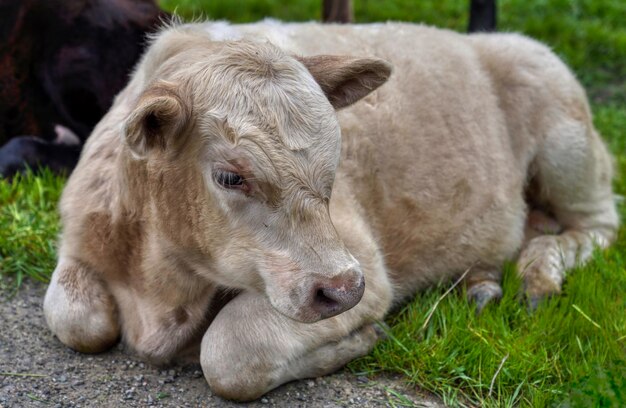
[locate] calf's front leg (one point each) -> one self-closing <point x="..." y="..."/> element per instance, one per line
<point x="250" y="348"/>
<point x="79" y="308"/>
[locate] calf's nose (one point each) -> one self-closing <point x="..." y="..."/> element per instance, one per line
<point x="338" y="295"/>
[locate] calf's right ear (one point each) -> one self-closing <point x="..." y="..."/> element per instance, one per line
<point x="158" y="122"/>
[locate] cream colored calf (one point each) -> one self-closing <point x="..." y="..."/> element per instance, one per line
<point x="221" y="168"/>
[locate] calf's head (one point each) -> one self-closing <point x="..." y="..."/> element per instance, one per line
<point x="249" y="138"/>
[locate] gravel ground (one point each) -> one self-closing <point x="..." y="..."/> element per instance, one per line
<point x="37" y="370"/>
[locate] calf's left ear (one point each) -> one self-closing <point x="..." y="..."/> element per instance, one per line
<point x="345" y="79"/>
<point x="158" y="121"/>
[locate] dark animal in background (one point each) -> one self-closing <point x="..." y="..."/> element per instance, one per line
<point x="61" y="64"/>
<point x="59" y="155"/>
<point x="483" y="16"/>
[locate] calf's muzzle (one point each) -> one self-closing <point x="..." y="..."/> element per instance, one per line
<point x="331" y="297"/>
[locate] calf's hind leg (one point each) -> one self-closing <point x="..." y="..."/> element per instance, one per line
<point x="79" y="309"/>
<point x="574" y="178"/>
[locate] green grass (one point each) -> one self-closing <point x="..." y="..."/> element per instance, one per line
<point x="571" y="352"/>
<point x="29" y="224"/>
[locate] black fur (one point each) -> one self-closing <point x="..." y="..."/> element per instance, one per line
<point x="62" y="62"/>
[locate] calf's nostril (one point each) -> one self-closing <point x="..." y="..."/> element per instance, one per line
<point x="323" y="297"/>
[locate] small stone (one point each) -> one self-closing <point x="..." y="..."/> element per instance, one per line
<point x="129" y="393"/>
<point x="362" y="379"/>
<point x="310" y="383"/>
<point x="264" y="401"/>
<point x="62" y="379"/>
<point x="78" y="383"/>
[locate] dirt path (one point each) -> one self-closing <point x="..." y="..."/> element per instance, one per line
<point x="37" y="370"/>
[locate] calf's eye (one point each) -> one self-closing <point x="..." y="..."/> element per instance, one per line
<point x="228" y="179"/>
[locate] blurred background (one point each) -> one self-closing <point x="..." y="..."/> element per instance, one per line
<point x="590" y="35"/>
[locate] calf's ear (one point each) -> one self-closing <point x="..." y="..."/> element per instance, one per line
<point x="344" y="79"/>
<point x="158" y="121"/>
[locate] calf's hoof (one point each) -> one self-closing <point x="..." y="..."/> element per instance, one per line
<point x="482" y="293"/>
